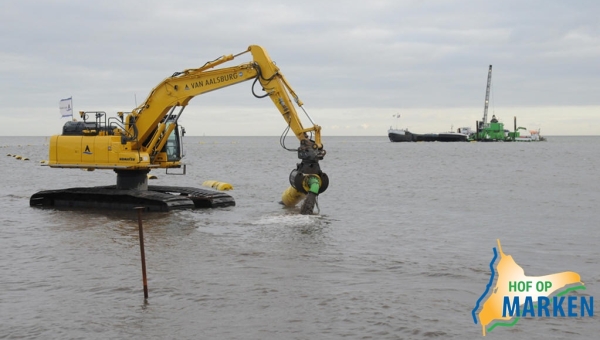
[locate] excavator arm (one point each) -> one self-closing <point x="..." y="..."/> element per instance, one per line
<point x="181" y="87"/>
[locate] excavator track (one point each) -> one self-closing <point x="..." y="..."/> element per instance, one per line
<point x="202" y="198"/>
<point x="156" y="198"/>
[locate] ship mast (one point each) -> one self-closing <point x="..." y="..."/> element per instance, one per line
<point x="487" y="96"/>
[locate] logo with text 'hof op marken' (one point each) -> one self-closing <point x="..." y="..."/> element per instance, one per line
<point x="510" y="295"/>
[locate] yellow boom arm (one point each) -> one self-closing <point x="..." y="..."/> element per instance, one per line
<point x="180" y="88"/>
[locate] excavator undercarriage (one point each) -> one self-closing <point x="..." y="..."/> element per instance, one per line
<point x="155" y="198"/>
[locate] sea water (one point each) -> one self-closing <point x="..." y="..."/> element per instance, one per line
<point x="400" y="248"/>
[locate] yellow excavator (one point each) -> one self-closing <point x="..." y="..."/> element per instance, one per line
<point x="149" y="137"/>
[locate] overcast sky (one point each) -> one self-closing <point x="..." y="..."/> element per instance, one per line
<point x="354" y="64"/>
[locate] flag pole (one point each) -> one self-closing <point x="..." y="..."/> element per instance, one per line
<point x="65" y="109"/>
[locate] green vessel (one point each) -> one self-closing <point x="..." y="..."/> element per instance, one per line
<point x="494" y="131"/>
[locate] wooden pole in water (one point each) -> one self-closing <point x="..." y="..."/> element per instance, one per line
<point x="141" y="228"/>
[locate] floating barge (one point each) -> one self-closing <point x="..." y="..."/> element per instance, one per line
<point x="403" y="135"/>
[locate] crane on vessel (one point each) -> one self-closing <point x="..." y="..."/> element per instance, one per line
<point x="487" y="97"/>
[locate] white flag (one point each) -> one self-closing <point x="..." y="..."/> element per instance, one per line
<point x="66" y="107"/>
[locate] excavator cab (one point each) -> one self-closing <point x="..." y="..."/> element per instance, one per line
<point x="174" y="145"/>
<point x="172" y="151"/>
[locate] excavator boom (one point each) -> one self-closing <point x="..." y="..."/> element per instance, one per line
<point x="181" y="87"/>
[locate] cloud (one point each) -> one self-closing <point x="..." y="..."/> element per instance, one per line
<point x="376" y="56"/>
